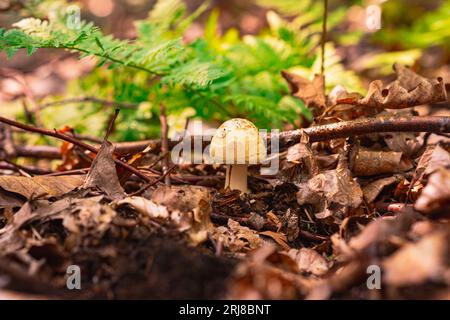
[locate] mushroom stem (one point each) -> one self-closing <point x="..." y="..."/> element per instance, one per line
<point x="236" y="177"/>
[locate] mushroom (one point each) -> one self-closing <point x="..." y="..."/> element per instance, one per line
<point x="237" y="143"/>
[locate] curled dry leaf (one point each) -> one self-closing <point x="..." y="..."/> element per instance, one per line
<point x="308" y="260"/>
<point x="435" y="197"/>
<point x="193" y="217"/>
<point x="236" y="238"/>
<point x="278" y="237"/>
<point x="433" y="158"/>
<point x="368" y="163"/>
<point x="10" y="200"/>
<point x="381" y="229"/>
<point x="40" y="186"/>
<point x="408" y="90"/>
<point x="88" y="215"/>
<point x="292" y="227"/>
<point x="310" y="92"/>
<point x="260" y="277"/>
<point x="333" y="189"/>
<point x="300" y="164"/>
<point x="103" y="174"/>
<point x="373" y="189"/>
<point x="404" y="142"/>
<point x="415" y="263"/>
<point x="189" y="207"/>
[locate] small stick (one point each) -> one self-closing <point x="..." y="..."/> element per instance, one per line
<point x="111" y="125"/>
<point x="73" y="140"/>
<point x="164" y="142"/>
<point x="148" y="185"/>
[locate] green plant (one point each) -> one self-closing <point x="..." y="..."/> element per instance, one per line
<point x="217" y="76"/>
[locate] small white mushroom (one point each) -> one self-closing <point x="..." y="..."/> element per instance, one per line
<point x="237" y="143"/>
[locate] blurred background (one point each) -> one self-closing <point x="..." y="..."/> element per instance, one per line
<point x="252" y="41"/>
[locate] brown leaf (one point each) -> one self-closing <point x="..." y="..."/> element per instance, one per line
<point x="236" y="238"/>
<point x="416" y="263"/>
<point x="381" y="229"/>
<point x="373" y="189"/>
<point x="432" y="159"/>
<point x="435" y="197"/>
<point x="408" y="90"/>
<point x="278" y="237"/>
<point x="308" y="260"/>
<point x="333" y="189"/>
<point x="368" y="163"/>
<point x="260" y="278"/>
<point x="300" y="164"/>
<point x="103" y="174"/>
<point x="404" y="142"/>
<point x="190" y="208"/>
<point x="310" y="92"/>
<point x="34" y="187"/>
<point x="10" y="200"/>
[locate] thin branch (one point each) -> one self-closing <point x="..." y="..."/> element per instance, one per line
<point x="148" y="185"/>
<point x="111" y="125"/>
<point x="73" y="140"/>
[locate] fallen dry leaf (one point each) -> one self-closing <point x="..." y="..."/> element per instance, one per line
<point x="310" y="92"/>
<point x="435" y="197"/>
<point x="408" y="90"/>
<point x="236" y="238"/>
<point x="308" y="260"/>
<point x="374" y="188"/>
<point x="368" y="163"/>
<point x="333" y="189"/>
<point x="40" y="186"/>
<point x="103" y="174"/>
<point x="416" y="263"/>
<point x="189" y="207"/>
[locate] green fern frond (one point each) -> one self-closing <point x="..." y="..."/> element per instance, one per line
<point x="195" y="73"/>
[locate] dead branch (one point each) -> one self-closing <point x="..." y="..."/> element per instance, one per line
<point x="72" y="140"/>
<point x="432" y="124"/>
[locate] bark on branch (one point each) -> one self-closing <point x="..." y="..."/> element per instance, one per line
<point x="343" y="129"/>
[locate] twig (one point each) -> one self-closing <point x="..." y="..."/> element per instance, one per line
<point x="108" y="103"/>
<point x="164" y="142"/>
<point x="148" y="185"/>
<point x="73" y="140"/>
<point x="111" y="125"/>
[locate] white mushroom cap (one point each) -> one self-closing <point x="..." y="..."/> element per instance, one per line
<point x="237" y="141"/>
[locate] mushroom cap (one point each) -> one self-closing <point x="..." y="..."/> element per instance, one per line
<point x="237" y="141"/>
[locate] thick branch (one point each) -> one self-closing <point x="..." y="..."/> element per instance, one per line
<point x="343" y="129"/>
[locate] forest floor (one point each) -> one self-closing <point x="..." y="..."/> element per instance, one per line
<point x="357" y="211"/>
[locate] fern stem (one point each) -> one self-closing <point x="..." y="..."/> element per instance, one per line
<point x="131" y="65"/>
